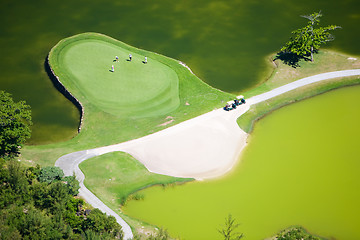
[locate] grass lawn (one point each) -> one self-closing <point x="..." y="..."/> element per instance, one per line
<point x="281" y="74"/>
<point x="134" y="88"/>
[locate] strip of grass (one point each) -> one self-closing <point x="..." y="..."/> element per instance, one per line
<point x="325" y="61"/>
<point x="119" y="175"/>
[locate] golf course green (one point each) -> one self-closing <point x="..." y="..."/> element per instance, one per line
<point x="133" y="88"/>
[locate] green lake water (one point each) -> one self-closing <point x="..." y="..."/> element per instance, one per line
<point x="280" y="181"/>
<point x="301" y="167"/>
<point x="224" y="42"/>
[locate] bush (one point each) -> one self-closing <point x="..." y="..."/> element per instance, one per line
<point x="50" y="174"/>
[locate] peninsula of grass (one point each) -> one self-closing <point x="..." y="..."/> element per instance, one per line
<point x="135" y="100"/>
<point x="119" y="176"/>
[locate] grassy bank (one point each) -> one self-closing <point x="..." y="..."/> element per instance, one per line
<point x="119" y="176"/>
<point x="325" y="61"/>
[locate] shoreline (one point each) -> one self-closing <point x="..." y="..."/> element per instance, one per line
<point x="192" y="149"/>
<point x="157" y="160"/>
<point x="204" y="147"/>
<point x="150" y="151"/>
<point x="62" y="89"/>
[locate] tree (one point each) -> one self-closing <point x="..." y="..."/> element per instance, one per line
<point x="72" y="184"/>
<point x="228" y="232"/>
<point x="305" y="41"/>
<point x="30" y="209"/>
<point x="99" y="222"/>
<point x="15" y="122"/>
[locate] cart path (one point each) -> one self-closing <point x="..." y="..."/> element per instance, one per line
<point x="206" y="146"/>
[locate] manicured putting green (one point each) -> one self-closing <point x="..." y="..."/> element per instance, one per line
<point x="134" y="88"/>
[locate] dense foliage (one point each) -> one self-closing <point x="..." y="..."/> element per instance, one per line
<point x="34" y="207"/>
<point x="295" y="234"/>
<point x="306" y="40"/>
<point x="15" y="121"/>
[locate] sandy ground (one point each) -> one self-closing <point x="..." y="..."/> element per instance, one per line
<point x="204" y="147"/>
<point x="207" y="146"/>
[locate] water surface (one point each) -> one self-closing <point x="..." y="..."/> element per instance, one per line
<point x="224" y="42"/>
<point x="301" y="167"/>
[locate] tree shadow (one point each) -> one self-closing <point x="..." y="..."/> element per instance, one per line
<point x="293" y="59"/>
<point x="289" y="58"/>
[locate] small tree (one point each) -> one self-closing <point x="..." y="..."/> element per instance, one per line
<point x="228" y="232"/>
<point x="15" y="122"/>
<point x="72" y="184"/>
<point x="305" y="41"/>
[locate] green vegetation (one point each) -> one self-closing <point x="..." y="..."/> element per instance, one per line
<point x="35" y="209"/>
<point x="295" y="233"/>
<point x="15" y="122"/>
<point x="51" y="174"/>
<point x="228" y="231"/>
<point x="39" y="203"/>
<point x="161" y="234"/>
<point x="119" y="176"/>
<point x="134" y="89"/>
<point x="326" y="61"/>
<point x="307" y="40"/>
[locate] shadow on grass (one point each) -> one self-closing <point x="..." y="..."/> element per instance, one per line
<point x="289" y="58"/>
<point x="292" y="59"/>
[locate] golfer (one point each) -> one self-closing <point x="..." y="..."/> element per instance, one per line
<point x="130" y="57"/>
<point x="145" y="60"/>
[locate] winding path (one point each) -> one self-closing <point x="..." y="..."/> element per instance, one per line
<point x="207" y="146"/>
